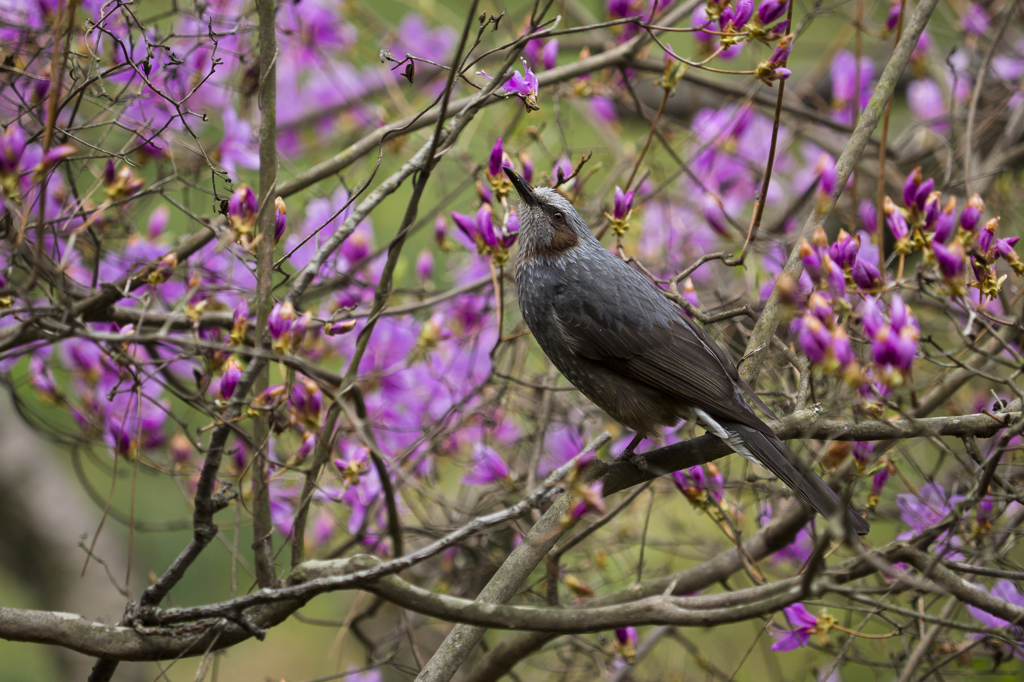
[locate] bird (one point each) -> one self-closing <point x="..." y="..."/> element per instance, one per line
<point x="633" y="352"/>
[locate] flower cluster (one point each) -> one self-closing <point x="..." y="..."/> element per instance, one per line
<point x="488" y="237"/>
<point x="704" y="487"/>
<point x="927" y="223"/>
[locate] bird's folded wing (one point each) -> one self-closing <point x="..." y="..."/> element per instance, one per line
<point x="656" y="350"/>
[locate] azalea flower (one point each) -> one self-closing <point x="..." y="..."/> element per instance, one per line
<point x="525" y="86"/>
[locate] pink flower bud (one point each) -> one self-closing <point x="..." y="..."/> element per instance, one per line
<point x="494" y="162"/>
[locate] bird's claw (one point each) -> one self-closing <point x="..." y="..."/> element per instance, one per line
<point x="636" y="459"/>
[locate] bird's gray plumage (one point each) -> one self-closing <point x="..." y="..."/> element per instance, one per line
<point x="631" y="351"/>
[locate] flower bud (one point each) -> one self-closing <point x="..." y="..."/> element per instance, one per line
<point x="951" y="261"/>
<point x="910" y="187"/>
<point x="986" y="236"/>
<point x="945" y="222"/>
<point x="866" y="213"/>
<point x="895" y="220"/>
<point x="425" y="266"/>
<point x="527" y="162"/>
<point x="242" y="209"/>
<point x="770" y="10"/>
<point x="623" y="203"/>
<point x="279" y="324"/>
<point x="494" y="162"/>
<point x="164" y="269"/>
<point x="969" y="218"/>
<point x="280" y="219"/>
<point x="229" y="380"/>
<point x="549" y="55"/>
<point x="342" y="327"/>
<point x="866" y="275"/>
<point x="811" y="261"/>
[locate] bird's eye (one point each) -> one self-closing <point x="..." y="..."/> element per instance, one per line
<point x="557" y="215"/>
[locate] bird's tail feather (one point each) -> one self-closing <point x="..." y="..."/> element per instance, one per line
<point x="774" y="455"/>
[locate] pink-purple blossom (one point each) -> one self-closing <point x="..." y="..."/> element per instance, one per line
<point x="803" y="624"/>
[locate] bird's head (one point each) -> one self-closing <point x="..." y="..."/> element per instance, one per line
<point x="548" y="223"/>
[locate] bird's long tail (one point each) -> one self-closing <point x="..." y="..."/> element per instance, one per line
<point x="771" y="453"/>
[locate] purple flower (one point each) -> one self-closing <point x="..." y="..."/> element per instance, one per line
<point x="623" y="203"/>
<point x="590" y="498"/>
<point x="895" y="220"/>
<point x="866" y="275"/>
<point x="945" y="222"/>
<point x="910" y="187"/>
<point x="690" y="293"/>
<point x="699" y="19"/>
<point x="488" y="466"/>
<point x="845" y="90"/>
<point x="626" y="635"/>
<point x="279" y="324"/>
<point x="898" y="312"/>
<point x="842" y="351"/>
<point x="549" y="55"/>
<point x="821" y="308"/>
<point x="743" y="12"/>
<point x="862" y="451"/>
<point x="927" y="103"/>
<point x="12" y="146"/>
<point x="693" y="483"/>
<point x="951" y="261"/>
<point x="425" y="265"/>
<point x="866" y="213"/>
<point x="441" y="231"/>
<point x="527" y="166"/>
<point x="811" y="260"/>
<point x="242" y="209"/>
<point x="626" y="642"/>
<point x="969" y="218"/>
<point x="1004" y="249"/>
<point x="280" y="219"/>
<point x="920" y="513"/>
<point x="814" y="339"/>
<point x="986" y="236"/>
<point x="525" y="86"/>
<point x="896" y="348"/>
<point x="826" y="170"/>
<point x="494" y="163"/>
<point x="871" y="316"/>
<point x="923" y="193"/>
<point x="620" y="9"/>
<point x="879" y="480"/>
<point x="844" y="250"/>
<point x="974" y="19"/>
<point x="563" y="169"/>
<point x="307" y="402"/>
<point x="804" y="623"/>
<point x="834" y="277"/>
<point x="229" y="380"/>
<point x="1008" y="592"/>
<point x="770" y="10"/>
<point x="894" y="14"/>
<point x="238" y="146"/>
<point x="52" y="158"/>
<point x="158" y="221"/>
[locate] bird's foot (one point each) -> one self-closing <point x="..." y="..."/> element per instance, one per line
<point x="636" y="459"/>
<point x="629" y="454"/>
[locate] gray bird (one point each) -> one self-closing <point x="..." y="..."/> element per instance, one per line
<point x="633" y="352"/>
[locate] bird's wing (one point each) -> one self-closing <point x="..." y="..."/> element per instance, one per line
<point x="650" y="342"/>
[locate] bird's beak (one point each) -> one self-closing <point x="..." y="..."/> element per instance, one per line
<point x="522" y="186"/>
